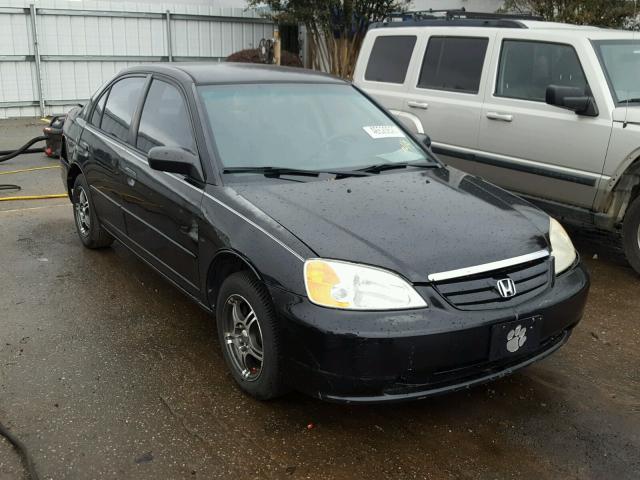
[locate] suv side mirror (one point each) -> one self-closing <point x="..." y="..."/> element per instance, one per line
<point x="174" y="160"/>
<point x="571" y="98"/>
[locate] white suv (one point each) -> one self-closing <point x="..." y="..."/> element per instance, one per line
<point x="547" y="110"/>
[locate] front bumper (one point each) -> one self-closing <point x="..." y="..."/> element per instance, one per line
<point x="376" y="357"/>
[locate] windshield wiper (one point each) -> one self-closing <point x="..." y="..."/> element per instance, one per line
<point x="278" y="171"/>
<point x="630" y="100"/>
<point x="380" y="167"/>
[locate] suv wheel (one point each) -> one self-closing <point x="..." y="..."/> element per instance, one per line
<point x="631" y="234"/>
<point x="249" y="336"/>
<point x="91" y="234"/>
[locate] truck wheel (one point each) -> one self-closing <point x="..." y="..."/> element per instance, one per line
<point x="631" y="234"/>
<point x="250" y="336"/>
<point x="91" y="234"/>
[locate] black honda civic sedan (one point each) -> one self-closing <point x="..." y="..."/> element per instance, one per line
<point x="341" y="258"/>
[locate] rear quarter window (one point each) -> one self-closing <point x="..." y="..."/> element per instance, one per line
<point x="389" y="58"/>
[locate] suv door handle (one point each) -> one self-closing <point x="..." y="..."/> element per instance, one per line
<point x="421" y="105"/>
<point x="504" y="117"/>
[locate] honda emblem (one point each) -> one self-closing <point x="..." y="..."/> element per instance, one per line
<point x="506" y="288"/>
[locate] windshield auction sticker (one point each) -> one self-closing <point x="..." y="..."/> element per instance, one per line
<point x="384" y="131"/>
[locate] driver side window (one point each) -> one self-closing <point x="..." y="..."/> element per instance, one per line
<point x="165" y="120"/>
<point x="527" y="68"/>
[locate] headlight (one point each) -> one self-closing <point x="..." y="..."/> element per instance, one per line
<point x="561" y="247"/>
<point x="336" y="284"/>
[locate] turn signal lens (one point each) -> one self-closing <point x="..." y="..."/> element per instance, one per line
<point x="337" y="284"/>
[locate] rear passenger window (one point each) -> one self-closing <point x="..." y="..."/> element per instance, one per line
<point x="389" y="59"/>
<point x="96" y="116"/>
<point x="528" y="68"/>
<point x="165" y="120"/>
<point x="121" y="105"/>
<point x="453" y="63"/>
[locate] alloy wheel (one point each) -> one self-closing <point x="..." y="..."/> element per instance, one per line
<point x="243" y="337"/>
<point x="83" y="212"/>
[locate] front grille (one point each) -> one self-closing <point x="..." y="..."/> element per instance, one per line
<point x="480" y="291"/>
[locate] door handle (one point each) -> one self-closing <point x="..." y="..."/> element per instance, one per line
<point x="83" y="149"/>
<point x="504" y="117"/>
<point x="129" y="172"/>
<point x="420" y="105"/>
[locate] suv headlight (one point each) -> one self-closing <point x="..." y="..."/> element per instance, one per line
<point x="337" y="284"/>
<point x="561" y="247"/>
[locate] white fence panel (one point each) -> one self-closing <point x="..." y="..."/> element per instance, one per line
<point x="81" y="44"/>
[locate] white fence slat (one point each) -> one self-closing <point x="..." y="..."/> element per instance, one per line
<point x="71" y="46"/>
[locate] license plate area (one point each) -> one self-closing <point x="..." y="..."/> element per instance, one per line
<point x="515" y="338"/>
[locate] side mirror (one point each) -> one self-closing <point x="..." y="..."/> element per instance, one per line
<point x="424" y="138"/>
<point x="174" y="160"/>
<point x="571" y="98"/>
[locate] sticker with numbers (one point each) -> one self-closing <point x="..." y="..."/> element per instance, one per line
<point x="384" y="131"/>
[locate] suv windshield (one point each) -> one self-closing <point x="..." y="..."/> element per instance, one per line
<point x="621" y="62"/>
<point x="314" y="127"/>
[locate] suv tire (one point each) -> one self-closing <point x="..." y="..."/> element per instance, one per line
<point x="91" y="233"/>
<point x="631" y="234"/>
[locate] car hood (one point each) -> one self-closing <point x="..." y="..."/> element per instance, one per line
<point x="415" y="222"/>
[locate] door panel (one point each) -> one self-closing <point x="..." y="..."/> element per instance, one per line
<point x="530" y="147"/>
<point x="103" y="176"/>
<point x="446" y="94"/>
<point x="162" y="218"/>
<point x="102" y="146"/>
<point x="162" y="210"/>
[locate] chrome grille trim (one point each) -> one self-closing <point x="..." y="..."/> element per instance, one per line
<point x="487" y="267"/>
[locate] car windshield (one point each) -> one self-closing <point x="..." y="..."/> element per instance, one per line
<point x="315" y="127"/>
<point x="621" y="62"/>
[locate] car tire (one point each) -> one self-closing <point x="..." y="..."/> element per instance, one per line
<point x="91" y="233"/>
<point x="631" y="234"/>
<point x="250" y="337"/>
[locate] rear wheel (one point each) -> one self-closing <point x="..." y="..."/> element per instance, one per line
<point x="631" y="234"/>
<point x="91" y="234"/>
<point x="249" y="336"/>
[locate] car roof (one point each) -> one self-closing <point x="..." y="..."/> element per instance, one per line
<point x="205" y="73"/>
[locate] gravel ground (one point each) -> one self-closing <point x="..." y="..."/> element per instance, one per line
<point x="106" y="371"/>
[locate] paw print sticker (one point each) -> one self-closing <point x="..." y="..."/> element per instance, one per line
<point x="516" y="338"/>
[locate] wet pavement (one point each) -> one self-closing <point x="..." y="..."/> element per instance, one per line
<point x="107" y="371"/>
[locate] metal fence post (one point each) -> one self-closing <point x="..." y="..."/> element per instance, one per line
<point x="169" y="42"/>
<point x="36" y="52"/>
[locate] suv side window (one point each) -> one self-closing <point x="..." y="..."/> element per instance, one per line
<point x="96" y="116"/>
<point x="121" y="105"/>
<point x="389" y="59"/>
<point x="453" y="63"/>
<point x="165" y="120"/>
<point x="527" y="68"/>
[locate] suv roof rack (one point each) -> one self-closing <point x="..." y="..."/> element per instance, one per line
<point x="459" y="17"/>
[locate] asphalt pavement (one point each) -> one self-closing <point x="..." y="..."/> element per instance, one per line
<point x="107" y="371"/>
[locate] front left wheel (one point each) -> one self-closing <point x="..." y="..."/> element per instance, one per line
<point x="249" y="336"/>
